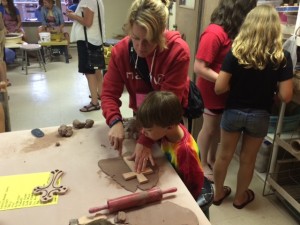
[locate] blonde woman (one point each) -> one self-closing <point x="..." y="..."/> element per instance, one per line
<point x="149" y="58"/>
<point x="251" y="73"/>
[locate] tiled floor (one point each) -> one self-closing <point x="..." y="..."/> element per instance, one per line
<point x="53" y="98"/>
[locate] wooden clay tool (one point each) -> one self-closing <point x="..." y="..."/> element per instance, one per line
<point x="139" y="176"/>
<point x="51" y="188"/>
<point x="133" y="200"/>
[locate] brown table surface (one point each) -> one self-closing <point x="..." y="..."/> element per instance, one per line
<point x="77" y="156"/>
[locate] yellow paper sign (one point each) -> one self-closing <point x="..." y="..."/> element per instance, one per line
<point x="16" y="190"/>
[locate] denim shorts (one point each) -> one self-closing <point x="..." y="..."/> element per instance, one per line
<point x="250" y="121"/>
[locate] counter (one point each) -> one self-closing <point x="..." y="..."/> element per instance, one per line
<point x="77" y="156"/>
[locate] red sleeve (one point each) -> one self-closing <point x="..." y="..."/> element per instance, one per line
<point x="143" y="140"/>
<point x="112" y="90"/>
<point x="176" y="77"/>
<point x="190" y="172"/>
<point x="208" y="48"/>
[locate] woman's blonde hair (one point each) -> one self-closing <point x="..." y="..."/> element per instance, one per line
<point x="152" y="15"/>
<point x="259" y="41"/>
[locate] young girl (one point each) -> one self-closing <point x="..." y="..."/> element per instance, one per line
<point x="214" y="44"/>
<point x="252" y="71"/>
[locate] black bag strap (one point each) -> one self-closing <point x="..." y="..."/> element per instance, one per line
<point x="100" y="26"/>
<point x="141" y="67"/>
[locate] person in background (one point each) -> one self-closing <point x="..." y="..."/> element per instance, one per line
<point x="3" y="75"/>
<point x="214" y="43"/>
<point x="86" y="15"/>
<point x="38" y="13"/>
<point x="149" y="46"/>
<point x="52" y="20"/>
<point x="69" y="3"/>
<point x="254" y="69"/>
<point x="73" y="7"/>
<point x="159" y="116"/>
<point x="12" y="18"/>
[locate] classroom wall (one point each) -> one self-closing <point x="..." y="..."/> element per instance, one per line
<point x="115" y="17"/>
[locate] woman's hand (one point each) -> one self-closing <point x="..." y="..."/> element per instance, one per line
<point x="116" y="136"/>
<point x="70" y="14"/>
<point x="141" y="157"/>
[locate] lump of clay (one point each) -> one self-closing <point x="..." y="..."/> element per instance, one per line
<point x="89" y="123"/>
<point x="78" y="125"/>
<point x="65" y="131"/>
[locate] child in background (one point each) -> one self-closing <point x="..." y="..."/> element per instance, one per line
<point x="3" y="75"/>
<point x="159" y="116"/>
<point x="214" y="44"/>
<point x="252" y="71"/>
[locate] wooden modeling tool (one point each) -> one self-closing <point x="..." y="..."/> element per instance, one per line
<point x="133" y="200"/>
<point x="51" y="188"/>
<point x="139" y="176"/>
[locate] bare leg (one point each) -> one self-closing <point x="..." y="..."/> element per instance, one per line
<point x="99" y="77"/>
<point x="207" y="137"/>
<point x="225" y="153"/>
<point x="3" y="76"/>
<point x="213" y="150"/>
<point x="250" y="148"/>
<point x="93" y="86"/>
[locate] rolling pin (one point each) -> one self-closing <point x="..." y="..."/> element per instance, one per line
<point x="133" y="200"/>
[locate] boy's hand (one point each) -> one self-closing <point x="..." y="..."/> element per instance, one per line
<point x="142" y="155"/>
<point x="116" y="136"/>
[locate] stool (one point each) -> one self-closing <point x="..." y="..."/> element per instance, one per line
<point x="206" y="198"/>
<point x="30" y="48"/>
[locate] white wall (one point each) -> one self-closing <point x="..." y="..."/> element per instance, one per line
<point x="115" y="17"/>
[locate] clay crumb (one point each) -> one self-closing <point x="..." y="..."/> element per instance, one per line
<point x="120" y="217"/>
<point x="57" y="144"/>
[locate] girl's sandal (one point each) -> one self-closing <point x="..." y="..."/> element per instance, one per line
<point x="90" y="107"/>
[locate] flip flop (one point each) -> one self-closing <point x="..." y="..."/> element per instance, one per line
<point x="227" y="191"/>
<point x="250" y="198"/>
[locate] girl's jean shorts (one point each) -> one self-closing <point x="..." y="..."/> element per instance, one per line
<point x="249" y="121"/>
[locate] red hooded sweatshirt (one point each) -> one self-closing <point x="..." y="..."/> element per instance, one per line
<point x="169" y="73"/>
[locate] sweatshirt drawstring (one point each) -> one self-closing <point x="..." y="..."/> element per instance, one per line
<point x="152" y="63"/>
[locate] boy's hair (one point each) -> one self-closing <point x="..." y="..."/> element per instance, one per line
<point x="230" y="14"/>
<point x="161" y="108"/>
<point x="260" y="41"/>
<point x="152" y="15"/>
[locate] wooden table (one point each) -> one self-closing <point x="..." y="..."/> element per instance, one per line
<point x="77" y="156"/>
<point x="60" y="44"/>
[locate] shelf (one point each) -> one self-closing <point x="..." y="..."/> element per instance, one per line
<point x="285" y="190"/>
<point x="284" y="144"/>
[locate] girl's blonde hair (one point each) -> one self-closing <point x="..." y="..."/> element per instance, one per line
<point x="151" y="15"/>
<point x="259" y="41"/>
